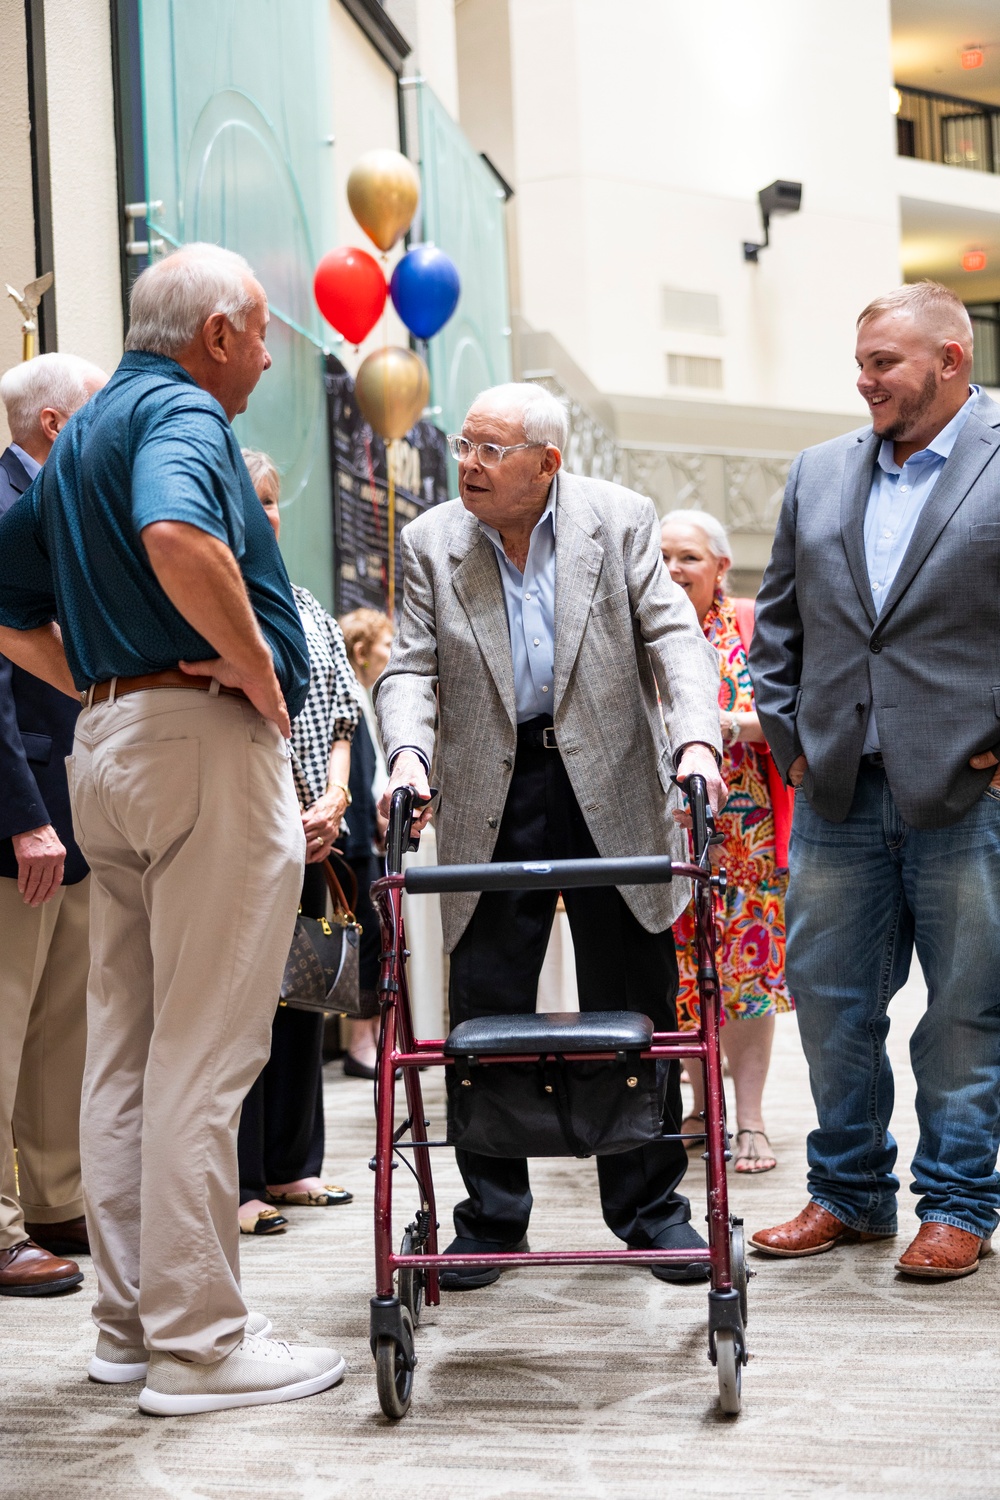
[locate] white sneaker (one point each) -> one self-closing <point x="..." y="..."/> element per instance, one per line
<point x="117" y="1364"/>
<point x="258" y="1371"/>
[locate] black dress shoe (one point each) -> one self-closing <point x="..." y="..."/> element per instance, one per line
<point x="66" y="1238"/>
<point x="680" y="1237"/>
<point x="468" y="1278"/>
<point x="355" y="1069"/>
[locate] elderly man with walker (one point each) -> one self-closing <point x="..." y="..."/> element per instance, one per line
<point x="144" y="551"/>
<point x="538" y="623"/>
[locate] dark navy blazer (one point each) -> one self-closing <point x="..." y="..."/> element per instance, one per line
<point x="36" y="734"/>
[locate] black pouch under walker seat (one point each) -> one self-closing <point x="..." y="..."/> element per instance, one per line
<point x="556" y="1105"/>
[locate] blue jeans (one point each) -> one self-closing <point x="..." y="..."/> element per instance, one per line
<point x="861" y="895"/>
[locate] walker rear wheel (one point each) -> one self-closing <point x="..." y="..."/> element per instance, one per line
<point x="393" y="1375"/>
<point x="729" y="1367"/>
<point x="411" y="1282"/>
<point x="738" y="1264"/>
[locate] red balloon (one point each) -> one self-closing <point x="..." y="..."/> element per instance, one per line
<point x="350" y="291"/>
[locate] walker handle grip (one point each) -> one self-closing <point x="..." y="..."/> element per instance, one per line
<point x="398" y="839"/>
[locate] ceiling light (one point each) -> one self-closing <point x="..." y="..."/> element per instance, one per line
<point x="972" y="57"/>
<point x="974" y="260"/>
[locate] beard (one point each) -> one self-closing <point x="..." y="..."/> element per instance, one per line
<point x="911" y="410"/>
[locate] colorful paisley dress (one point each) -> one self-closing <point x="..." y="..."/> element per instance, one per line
<point x="752" y="953"/>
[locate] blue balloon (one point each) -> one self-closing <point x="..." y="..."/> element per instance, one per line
<point x="425" y="287"/>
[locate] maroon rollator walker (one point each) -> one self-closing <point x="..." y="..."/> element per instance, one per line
<point x="404" y="1281"/>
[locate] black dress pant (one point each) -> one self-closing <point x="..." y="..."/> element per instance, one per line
<point x="281" y="1136"/>
<point x="619" y="965"/>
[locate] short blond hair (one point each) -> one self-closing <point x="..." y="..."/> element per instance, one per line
<point x="362" y="628"/>
<point x="930" y="303"/>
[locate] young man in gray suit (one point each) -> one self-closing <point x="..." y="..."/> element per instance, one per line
<point x="538" y="622"/>
<point x="877" y="683"/>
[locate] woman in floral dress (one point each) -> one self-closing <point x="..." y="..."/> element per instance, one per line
<point x="755" y="853"/>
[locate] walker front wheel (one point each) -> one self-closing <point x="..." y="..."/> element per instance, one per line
<point x="394" y="1370"/>
<point x="729" y="1367"/>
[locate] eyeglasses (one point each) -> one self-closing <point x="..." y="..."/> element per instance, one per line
<point x="490" y="455"/>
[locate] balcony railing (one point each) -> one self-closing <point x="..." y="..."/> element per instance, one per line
<point x="940" y="127"/>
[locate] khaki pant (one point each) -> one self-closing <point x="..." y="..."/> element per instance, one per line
<point x="185" y="809"/>
<point x="44" y="959"/>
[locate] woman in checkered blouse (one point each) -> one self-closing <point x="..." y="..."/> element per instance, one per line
<point x="281" y="1140"/>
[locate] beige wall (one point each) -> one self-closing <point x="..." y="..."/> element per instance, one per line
<point x="17" y="225"/>
<point x="83" y="176"/>
<point x="84" y="182"/>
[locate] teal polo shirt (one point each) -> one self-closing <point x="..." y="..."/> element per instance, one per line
<point x="151" y="446"/>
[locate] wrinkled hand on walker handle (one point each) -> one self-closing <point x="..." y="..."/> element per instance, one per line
<point x="408" y="770"/>
<point x="699" y="760"/>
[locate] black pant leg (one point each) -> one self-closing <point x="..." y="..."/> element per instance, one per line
<point x="494" y="971"/>
<point x="621" y="966"/>
<point x="281" y="1136"/>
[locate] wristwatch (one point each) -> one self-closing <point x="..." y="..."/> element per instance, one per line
<point x="342" y="788"/>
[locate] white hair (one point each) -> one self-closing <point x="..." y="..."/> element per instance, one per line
<point x="262" y="469"/>
<point x="174" y="297"/>
<point x="711" y="528"/>
<point x="543" y="415"/>
<point x="56" y="380"/>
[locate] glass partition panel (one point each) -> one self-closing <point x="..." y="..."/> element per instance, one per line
<point x="239" y="151"/>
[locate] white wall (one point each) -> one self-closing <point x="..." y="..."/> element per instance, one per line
<point x="642" y="133"/>
<point x="365" y="118"/>
<point x="84" y="181"/>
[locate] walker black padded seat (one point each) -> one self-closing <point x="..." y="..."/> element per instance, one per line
<point x="556" y="1031"/>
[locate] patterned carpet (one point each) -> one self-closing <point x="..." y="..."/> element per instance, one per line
<point x="588" y="1385"/>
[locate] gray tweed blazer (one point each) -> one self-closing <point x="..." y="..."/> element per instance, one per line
<point x="622" y="628"/>
<point x="930" y="662"/>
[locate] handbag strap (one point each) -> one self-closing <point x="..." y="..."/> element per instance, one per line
<point x="340" y="900"/>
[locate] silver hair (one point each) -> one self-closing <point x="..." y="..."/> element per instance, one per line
<point x="261" y="467"/>
<point x="56" y="380"/>
<point x="544" y="416"/>
<point x="712" y="529"/>
<point x="174" y="297"/>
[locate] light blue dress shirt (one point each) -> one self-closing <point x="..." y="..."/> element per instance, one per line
<point x="31" y="465"/>
<point x="531" y="613"/>
<point x="897" y="497"/>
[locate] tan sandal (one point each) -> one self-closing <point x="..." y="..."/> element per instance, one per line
<point x="752" y="1156"/>
<point x="266" y="1221"/>
<point x="331" y="1196"/>
<point x="693" y="1134"/>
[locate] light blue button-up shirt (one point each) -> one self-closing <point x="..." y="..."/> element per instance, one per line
<point x="31" y="465"/>
<point x="897" y="497"/>
<point x="531" y="613"/>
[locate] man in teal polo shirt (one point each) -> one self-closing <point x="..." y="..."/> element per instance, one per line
<point x="140" y="572"/>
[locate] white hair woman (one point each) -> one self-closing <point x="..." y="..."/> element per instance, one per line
<point x="755" y="821"/>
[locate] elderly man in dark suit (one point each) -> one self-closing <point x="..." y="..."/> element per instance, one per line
<point x="875" y="670"/>
<point x="44" y="900"/>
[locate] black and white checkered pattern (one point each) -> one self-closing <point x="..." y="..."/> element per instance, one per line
<point x="331" y="710"/>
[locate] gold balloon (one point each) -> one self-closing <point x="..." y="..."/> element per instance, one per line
<point x="383" y="191"/>
<point x="392" y="388"/>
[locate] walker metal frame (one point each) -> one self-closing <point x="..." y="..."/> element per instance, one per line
<point x="395" y="1309"/>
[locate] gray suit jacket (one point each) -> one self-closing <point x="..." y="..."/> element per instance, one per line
<point x="621" y="628"/>
<point x="930" y="662"/>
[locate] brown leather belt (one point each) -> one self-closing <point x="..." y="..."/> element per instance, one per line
<point x="100" y="692"/>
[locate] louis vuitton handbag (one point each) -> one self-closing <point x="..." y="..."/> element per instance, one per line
<point x="321" y="971"/>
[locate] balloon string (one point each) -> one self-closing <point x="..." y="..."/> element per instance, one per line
<point x="390" y="469"/>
